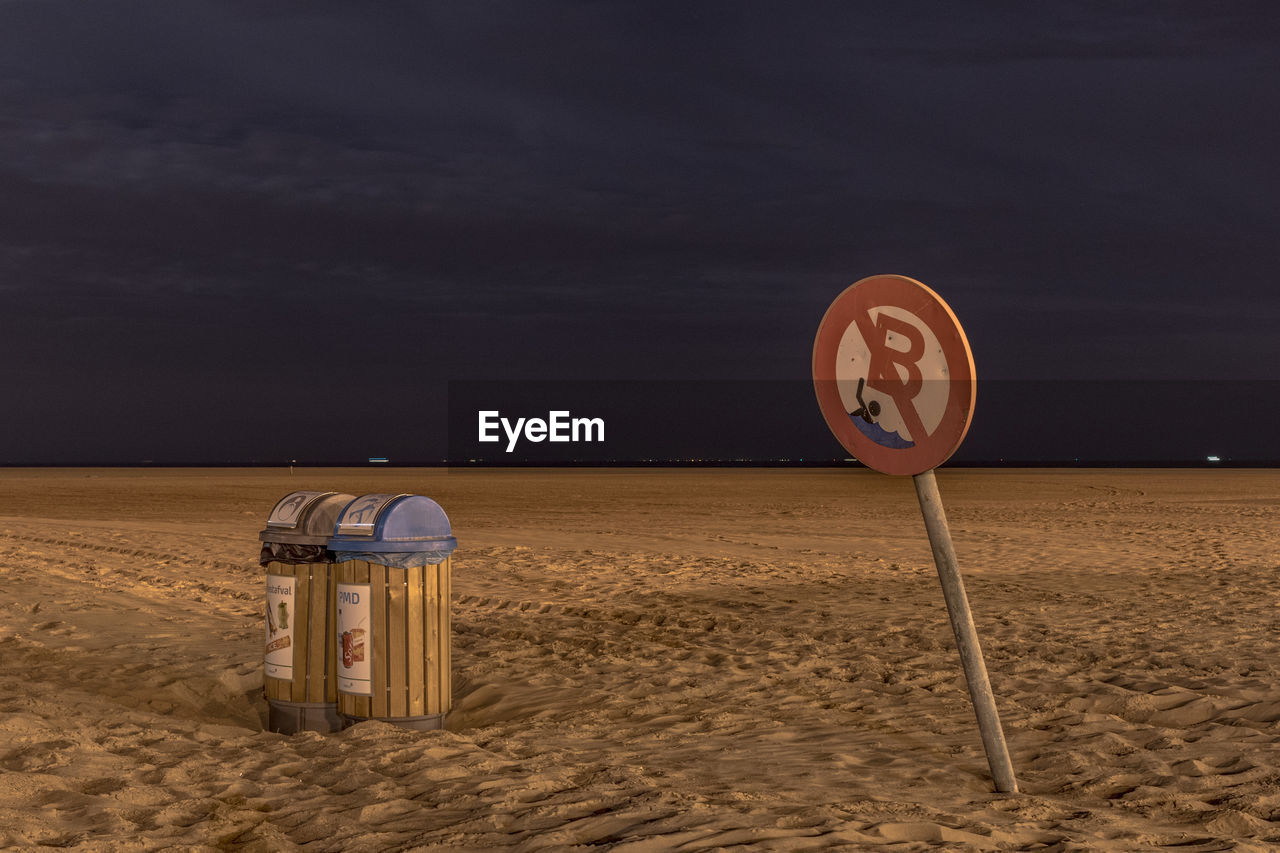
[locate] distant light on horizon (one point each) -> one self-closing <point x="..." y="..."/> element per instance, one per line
<point x="1213" y="459"/>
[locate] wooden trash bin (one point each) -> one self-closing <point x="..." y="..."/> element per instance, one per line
<point x="392" y="626"/>
<point x="299" y="660"/>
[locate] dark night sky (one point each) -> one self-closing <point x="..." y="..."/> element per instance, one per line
<point x="239" y="230"/>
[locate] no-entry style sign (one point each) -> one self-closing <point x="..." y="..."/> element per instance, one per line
<point x="894" y="375"/>
<point x="895" y="380"/>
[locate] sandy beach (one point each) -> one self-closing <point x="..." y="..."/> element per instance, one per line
<point x="651" y="660"/>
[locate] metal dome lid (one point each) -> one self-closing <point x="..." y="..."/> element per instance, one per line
<point x="304" y="518"/>
<point x="387" y="523"/>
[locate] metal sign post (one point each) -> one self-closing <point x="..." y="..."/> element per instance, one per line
<point x="896" y="384"/>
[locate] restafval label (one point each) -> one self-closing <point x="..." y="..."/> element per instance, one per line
<point x="278" y="662"/>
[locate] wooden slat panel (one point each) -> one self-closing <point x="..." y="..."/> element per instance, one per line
<point x="329" y="639"/>
<point x="319" y="604"/>
<point x="397" y="665"/>
<point x="409" y="611"/>
<point x="416" y="655"/>
<point x="446" y="635"/>
<point x="301" y="598"/>
<point x="431" y="618"/>
<point x="378" y="634"/>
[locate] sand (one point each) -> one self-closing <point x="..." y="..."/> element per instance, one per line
<point x="662" y="660"/>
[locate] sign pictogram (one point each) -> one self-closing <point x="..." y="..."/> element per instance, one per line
<point x="894" y="375"/>
<point x="361" y="515"/>
<point x="290" y="511"/>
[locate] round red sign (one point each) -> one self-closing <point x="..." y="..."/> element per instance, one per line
<point x="894" y="375"/>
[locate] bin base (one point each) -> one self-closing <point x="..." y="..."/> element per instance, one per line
<point x="289" y="718"/>
<point x="427" y="722"/>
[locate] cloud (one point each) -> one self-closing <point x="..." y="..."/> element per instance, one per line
<point x="663" y="173"/>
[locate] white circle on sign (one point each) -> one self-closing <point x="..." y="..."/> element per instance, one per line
<point x="853" y="367"/>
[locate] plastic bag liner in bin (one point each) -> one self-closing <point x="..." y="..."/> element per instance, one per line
<point x="293" y="553"/>
<point x="400" y="561"/>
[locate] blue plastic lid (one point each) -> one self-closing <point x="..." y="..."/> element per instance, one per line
<point x="385" y="523"/>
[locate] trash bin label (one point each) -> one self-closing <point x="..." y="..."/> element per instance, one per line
<point x="279" y="650"/>
<point x="354" y="650"/>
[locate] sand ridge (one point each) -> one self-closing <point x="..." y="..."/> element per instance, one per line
<point x="661" y="660"/>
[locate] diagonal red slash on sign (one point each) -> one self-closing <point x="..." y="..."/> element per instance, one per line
<point x="885" y="359"/>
